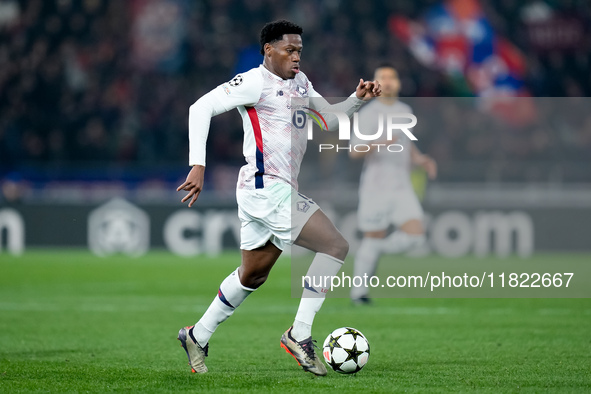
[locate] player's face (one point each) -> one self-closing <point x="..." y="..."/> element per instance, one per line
<point x="388" y="79"/>
<point x="285" y="56"/>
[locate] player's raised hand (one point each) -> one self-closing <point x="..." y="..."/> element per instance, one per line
<point x="366" y="90"/>
<point x="193" y="184"/>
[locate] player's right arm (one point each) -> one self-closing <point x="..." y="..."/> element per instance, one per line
<point x="243" y="90"/>
<point x="364" y="92"/>
<point x="422" y="160"/>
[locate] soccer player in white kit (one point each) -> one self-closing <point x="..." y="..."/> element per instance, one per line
<point x="386" y="195"/>
<point x="271" y="212"/>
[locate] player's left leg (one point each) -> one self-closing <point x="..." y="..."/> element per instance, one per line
<point x="408" y="235"/>
<point x="321" y="236"/>
<point x="407" y="215"/>
<point x="366" y="262"/>
<point x="412" y="227"/>
<point x="374" y="216"/>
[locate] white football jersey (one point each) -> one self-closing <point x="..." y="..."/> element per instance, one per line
<point x="384" y="171"/>
<point x="272" y="148"/>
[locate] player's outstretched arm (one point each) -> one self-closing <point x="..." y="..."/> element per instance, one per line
<point x="193" y="184"/>
<point x="365" y="91"/>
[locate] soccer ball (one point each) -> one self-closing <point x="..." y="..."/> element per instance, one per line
<point x="346" y="350"/>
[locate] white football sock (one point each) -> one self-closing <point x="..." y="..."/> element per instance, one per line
<point x="366" y="261"/>
<point x="399" y="242"/>
<point x="230" y="295"/>
<point x="314" y="293"/>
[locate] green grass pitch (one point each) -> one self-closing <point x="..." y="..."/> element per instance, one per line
<point x="72" y="322"/>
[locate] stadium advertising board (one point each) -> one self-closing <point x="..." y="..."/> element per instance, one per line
<point x="119" y="226"/>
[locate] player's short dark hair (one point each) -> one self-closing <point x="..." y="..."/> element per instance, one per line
<point x="274" y="31"/>
<point x="385" y="65"/>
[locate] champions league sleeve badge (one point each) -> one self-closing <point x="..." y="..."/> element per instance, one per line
<point x="236" y="81"/>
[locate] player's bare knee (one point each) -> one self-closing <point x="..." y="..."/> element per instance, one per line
<point x="259" y="281"/>
<point x="343" y="248"/>
<point x="256" y="281"/>
<point x="253" y="280"/>
<point x="338" y="248"/>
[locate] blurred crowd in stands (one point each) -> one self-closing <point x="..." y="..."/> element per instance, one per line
<point x="102" y="83"/>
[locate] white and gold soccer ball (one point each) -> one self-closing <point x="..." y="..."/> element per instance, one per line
<point x="346" y="350"/>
